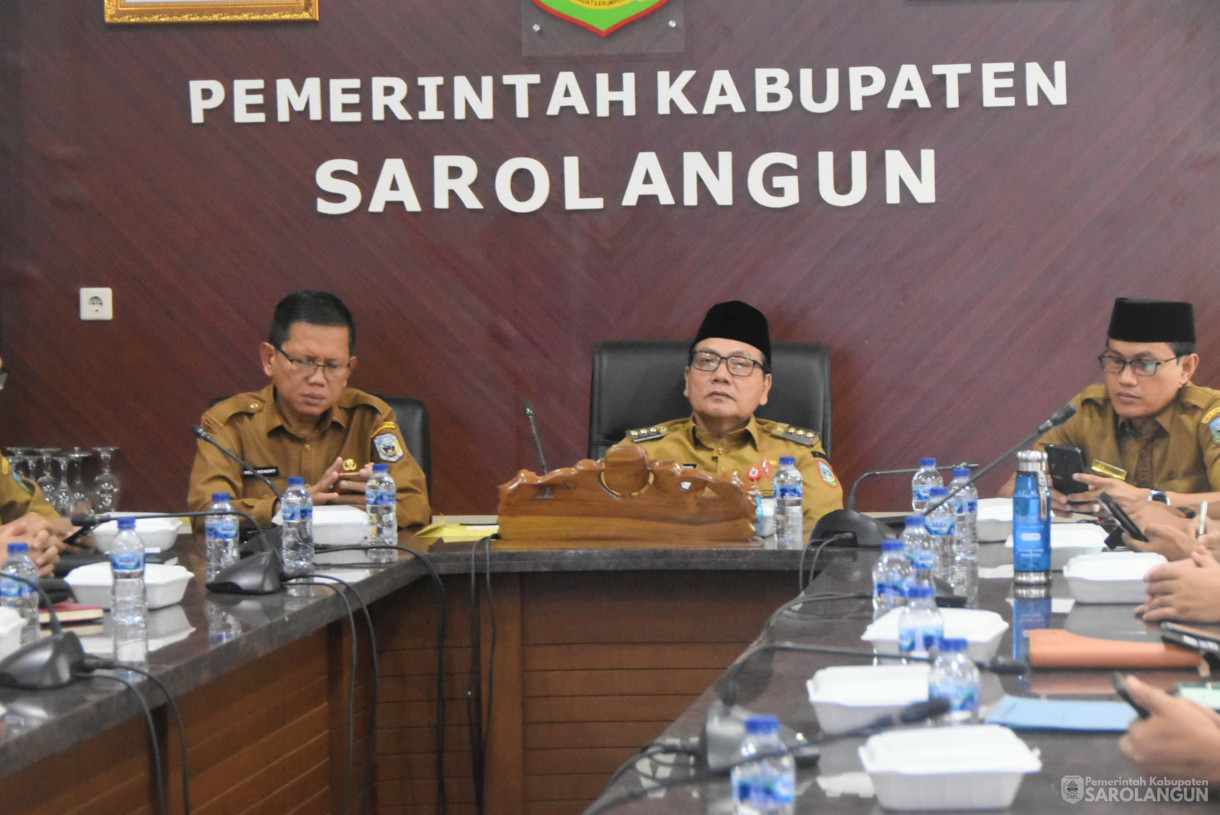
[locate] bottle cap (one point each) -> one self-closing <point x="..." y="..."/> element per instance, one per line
<point x="927" y="462"/>
<point x="787" y="460"/>
<point x="296" y="480"/>
<point x="127" y="523"/>
<point x="953" y="645"/>
<point x="961" y="472"/>
<point x="942" y="491"/>
<point x="221" y="496"/>
<point x="915" y="520"/>
<point x="18" y="548"/>
<point x="889" y="545"/>
<point x="381" y="468"/>
<point x="1031" y="461"/>
<point x="919" y="591"/>
<point x="762" y="724"/>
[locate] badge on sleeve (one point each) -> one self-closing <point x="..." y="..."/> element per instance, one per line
<point x="388" y="447"/>
<point x="828" y="475"/>
<point x="1212" y="420"/>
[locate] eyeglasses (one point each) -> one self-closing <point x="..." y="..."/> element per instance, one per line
<point x="710" y="361"/>
<point x="1113" y="364"/>
<point x="306" y="367"/>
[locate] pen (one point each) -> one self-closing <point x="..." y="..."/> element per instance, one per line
<point x="1202" y="528"/>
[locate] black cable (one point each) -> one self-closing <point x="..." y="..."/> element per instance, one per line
<point x="152" y="733"/>
<point x="800" y="569"/>
<point x="351" y="692"/>
<point x="474" y="690"/>
<point x="173" y="706"/>
<point x="374" y="691"/>
<point x="491" y="664"/>
<point x="649" y="751"/>
<point x="801" y="599"/>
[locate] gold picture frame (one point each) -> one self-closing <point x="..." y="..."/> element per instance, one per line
<point x="209" y="11"/>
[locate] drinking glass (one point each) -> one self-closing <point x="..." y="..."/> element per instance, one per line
<point x="80" y="499"/>
<point x="46" y="481"/>
<point x="62" y="491"/>
<point x="106" y="487"/>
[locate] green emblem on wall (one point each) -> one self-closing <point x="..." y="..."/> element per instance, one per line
<point x="603" y="17"/>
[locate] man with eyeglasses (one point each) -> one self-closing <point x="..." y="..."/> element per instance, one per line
<point x="1147" y="418"/>
<point x="306" y="422"/>
<point x="727" y="378"/>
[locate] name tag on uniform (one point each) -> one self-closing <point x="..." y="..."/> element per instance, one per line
<point x="265" y="472"/>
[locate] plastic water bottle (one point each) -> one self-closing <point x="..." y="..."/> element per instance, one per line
<point x="789" y="505"/>
<point x="297" y="543"/>
<point x="381" y="500"/>
<point x="891" y="578"/>
<point x="955" y="677"/>
<point x="920" y="549"/>
<point x="966" y="504"/>
<point x="942" y="525"/>
<point x="129" y="603"/>
<point x="925" y="478"/>
<point x="920" y="625"/>
<point x="766" y="786"/>
<point x="17" y="595"/>
<point x="1031" y="520"/>
<point x="221" y="535"/>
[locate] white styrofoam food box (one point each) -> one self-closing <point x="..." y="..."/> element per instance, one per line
<point x="957" y="767"/>
<point x="155" y="533"/>
<point x="338" y="525"/>
<point x="1111" y="577"/>
<point x="982" y="629"/>
<point x="10" y="631"/>
<point x="849" y="696"/>
<point x="1070" y="540"/>
<point x="164" y="584"/>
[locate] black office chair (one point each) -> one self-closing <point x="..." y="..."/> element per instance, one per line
<point x="411" y="416"/>
<point x="639" y="383"/>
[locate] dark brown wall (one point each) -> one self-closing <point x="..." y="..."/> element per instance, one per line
<point x="955" y="325"/>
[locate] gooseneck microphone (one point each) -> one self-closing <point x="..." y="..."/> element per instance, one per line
<point x="1057" y="418"/>
<point x="198" y="432"/>
<point x="529" y="414"/>
<point x="850" y="503"/>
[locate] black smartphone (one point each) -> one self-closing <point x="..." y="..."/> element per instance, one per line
<point x="1124" y="520"/>
<point x="1120" y="687"/>
<point x="1064" y="461"/>
<point x="1199" y="639"/>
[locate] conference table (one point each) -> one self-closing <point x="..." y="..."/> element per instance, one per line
<point x="593" y="650"/>
<point x="775" y="682"/>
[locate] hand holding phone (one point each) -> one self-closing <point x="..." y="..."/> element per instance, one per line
<point x="1064" y="461"/>
<point x="1120" y="687"/>
<point x="1124" y="520"/>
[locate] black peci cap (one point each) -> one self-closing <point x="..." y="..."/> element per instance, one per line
<point x="735" y="320"/>
<point x="1151" y="321"/>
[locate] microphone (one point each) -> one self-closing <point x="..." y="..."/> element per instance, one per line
<point x="198" y="432"/>
<point x="50" y="662"/>
<point x="1057" y="418"/>
<point x="529" y="414"/>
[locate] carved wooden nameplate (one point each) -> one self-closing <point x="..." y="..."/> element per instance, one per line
<point x="626" y="500"/>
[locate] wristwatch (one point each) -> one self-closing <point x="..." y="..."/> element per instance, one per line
<point x="1157" y="495"/>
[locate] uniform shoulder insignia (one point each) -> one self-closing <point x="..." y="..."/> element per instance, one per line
<point x="646" y="433"/>
<point x="249" y="403"/>
<point x="803" y="437"/>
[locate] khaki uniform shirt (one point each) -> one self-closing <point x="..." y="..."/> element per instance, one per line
<point x="19" y="496"/>
<point x="1179" y="453"/>
<point x="756" y="448"/>
<point x="360" y="428"/>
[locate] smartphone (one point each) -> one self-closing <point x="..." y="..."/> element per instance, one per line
<point x="1124" y="520"/>
<point x="1200" y="639"/>
<point x="1064" y="461"/>
<point x="1120" y="687"/>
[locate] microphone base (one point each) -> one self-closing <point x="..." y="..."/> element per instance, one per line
<point x="51" y="662"/>
<point x="868" y="532"/>
<point x="258" y="574"/>
<point x="724" y="730"/>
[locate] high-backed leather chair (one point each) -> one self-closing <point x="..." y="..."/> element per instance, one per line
<point x="639" y="383"/>
<point x="411" y="416"/>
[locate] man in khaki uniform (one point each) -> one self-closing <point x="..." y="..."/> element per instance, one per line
<point x="307" y="422"/>
<point x="1147" y="418"/>
<point x="728" y="377"/>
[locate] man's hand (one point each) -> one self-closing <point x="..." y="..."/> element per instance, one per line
<point x="1152" y="513"/>
<point x="1127" y="495"/>
<point x="1180" y="739"/>
<point x="1185" y="590"/>
<point x="1164" y="539"/>
<point x="351" y="486"/>
<point x="36" y="531"/>
<point x="323" y="490"/>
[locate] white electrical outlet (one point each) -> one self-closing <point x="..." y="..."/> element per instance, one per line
<point x="96" y="304"/>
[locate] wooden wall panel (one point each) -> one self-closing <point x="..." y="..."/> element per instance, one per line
<point x="955" y="325"/>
